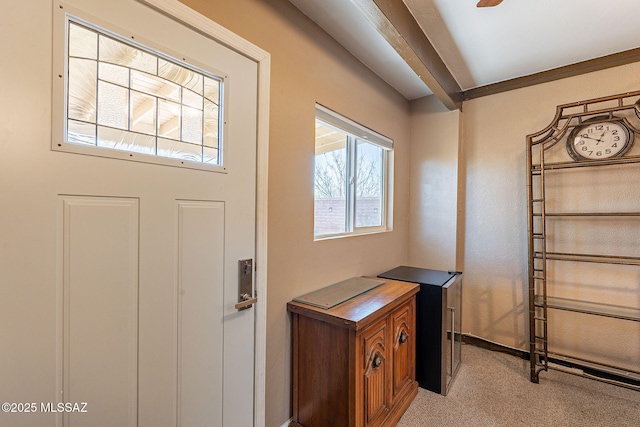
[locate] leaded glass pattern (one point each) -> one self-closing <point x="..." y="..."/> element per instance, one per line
<point x="123" y="97"/>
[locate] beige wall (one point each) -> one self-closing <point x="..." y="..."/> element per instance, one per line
<point x="493" y="196"/>
<point x="308" y="67"/>
<point x="495" y="258"/>
<point x="433" y="218"/>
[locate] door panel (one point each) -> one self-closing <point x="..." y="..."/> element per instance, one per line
<point x="376" y="383"/>
<point x="200" y="326"/>
<point x="403" y="321"/>
<point x="100" y="279"/>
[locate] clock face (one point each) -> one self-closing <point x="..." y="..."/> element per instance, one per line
<point x="599" y="140"/>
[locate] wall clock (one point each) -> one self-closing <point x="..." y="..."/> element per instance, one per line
<point x="599" y="138"/>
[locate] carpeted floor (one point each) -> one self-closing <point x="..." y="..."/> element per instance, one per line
<point x="493" y="389"/>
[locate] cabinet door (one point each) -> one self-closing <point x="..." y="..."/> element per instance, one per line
<point x="376" y="370"/>
<point x="403" y="359"/>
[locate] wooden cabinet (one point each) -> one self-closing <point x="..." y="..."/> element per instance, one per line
<point x="354" y="364"/>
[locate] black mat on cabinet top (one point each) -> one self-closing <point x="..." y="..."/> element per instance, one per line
<point x="422" y="276"/>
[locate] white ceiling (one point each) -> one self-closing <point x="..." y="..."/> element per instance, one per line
<point x="481" y="46"/>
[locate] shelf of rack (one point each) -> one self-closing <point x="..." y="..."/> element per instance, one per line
<point x="588" y="307"/>
<point x="588" y="214"/>
<point x="585" y="163"/>
<point x="632" y="377"/>
<point x="601" y="259"/>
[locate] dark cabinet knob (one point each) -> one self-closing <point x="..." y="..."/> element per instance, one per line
<point x="403" y="337"/>
<point x="377" y="361"/>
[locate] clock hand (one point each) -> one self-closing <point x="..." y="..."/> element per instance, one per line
<point x="599" y="139"/>
<point x="588" y="137"/>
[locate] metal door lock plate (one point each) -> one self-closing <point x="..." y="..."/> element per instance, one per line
<point x="245" y="285"/>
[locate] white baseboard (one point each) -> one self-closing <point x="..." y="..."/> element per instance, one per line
<point x="286" y="423"/>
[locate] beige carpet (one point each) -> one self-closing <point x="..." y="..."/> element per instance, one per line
<point x="493" y="389"/>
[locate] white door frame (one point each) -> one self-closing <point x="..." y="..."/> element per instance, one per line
<point x="182" y="13"/>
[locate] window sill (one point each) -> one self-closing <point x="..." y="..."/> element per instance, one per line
<point x="369" y="231"/>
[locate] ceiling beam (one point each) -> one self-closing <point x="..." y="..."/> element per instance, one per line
<point x="572" y="70"/>
<point x="393" y="20"/>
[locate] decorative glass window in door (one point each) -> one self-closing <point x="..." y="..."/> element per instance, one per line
<point x="121" y="95"/>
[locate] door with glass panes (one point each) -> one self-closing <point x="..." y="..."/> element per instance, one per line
<point x="147" y="202"/>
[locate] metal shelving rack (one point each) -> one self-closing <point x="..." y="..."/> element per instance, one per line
<point x="546" y="156"/>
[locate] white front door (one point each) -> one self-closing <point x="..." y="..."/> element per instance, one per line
<point x="132" y="267"/>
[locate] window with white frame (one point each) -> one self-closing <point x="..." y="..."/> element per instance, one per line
<point x="351" y="177"/>
<point x="122" y="96"/>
